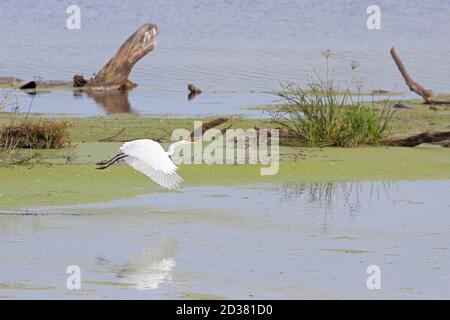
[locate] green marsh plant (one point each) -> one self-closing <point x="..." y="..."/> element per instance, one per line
<point x="320" y="115"/>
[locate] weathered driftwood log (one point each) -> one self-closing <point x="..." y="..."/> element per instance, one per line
<point x="444" y="143"/>
<point x="208" y="125"/>
<point x="414" y="86"/>
<point x="114" y="75"/>
<point x="425" y="137"/>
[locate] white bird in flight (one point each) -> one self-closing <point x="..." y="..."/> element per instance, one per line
<point x="148" y="156"/>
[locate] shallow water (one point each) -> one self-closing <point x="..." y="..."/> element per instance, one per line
<point x="227" y="48"/>
<point x="142" y="101"/>
<point x="298" y="240"/>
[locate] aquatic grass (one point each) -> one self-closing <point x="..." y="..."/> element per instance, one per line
<point x="362" y="125"/>
<point x="311" y="112"/>
<point x="322" y="116"/>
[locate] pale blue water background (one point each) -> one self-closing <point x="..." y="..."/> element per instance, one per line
<point x="228" y="48"/>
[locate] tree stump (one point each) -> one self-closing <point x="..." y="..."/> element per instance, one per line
<point x="114" y="75"/>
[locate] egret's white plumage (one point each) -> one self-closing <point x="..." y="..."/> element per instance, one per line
<point x="151" y="153"/>
<point x="166" y="180"/>
<point x="148" y="156"/>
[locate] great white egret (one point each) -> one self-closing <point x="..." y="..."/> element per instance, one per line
<point x="148" y="156"/>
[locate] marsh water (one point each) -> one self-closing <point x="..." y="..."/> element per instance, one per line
<point x="296" y="240"/>
<point x="235" y="51"/>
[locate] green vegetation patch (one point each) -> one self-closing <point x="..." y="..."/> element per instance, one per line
<point x="45" y="184"/>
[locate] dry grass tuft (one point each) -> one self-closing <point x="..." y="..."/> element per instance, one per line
<point x="41" y="134"/>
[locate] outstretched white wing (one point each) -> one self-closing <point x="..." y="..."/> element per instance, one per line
<point x="147" y="156"/>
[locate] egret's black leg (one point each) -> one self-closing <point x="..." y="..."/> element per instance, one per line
<point x="112" y="161"/>
<point x="101" y="163"/>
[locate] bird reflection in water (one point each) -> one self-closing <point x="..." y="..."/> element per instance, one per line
<point x="151" y="268"/>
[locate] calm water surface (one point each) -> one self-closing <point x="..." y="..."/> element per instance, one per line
<point x="305" y="240"/>
<point x="301" y="240"/>
<point x="234" y="50"/>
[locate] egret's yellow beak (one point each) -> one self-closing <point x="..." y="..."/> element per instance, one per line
<point x="191" y="142"/>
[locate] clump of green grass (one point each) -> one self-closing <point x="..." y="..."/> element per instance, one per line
<point x="322" y="116"/>
<point x="361" y="125"/>
<point x="311" y="112"/>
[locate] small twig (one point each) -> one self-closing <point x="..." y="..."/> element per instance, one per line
<point x="108" y="139"/>
<point x="29" y="110"/>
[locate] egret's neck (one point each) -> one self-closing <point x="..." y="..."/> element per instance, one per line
<point x="172" y="148"/>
